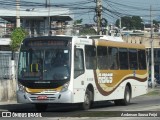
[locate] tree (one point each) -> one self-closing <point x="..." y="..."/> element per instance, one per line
<point x="17" y="36"/>
<point x="125" y="22"/>
<point x="155" y="22"/>
<point x="137" y="23"/>
<point x="87" y="31"/>
<point x="156" y="25"/>
<point x="78" y="21"/>
<point x="134" y="22"/>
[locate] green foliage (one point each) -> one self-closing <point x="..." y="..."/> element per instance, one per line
<point x="78" y="21"/>
<point x="156" y="22"/>
<point x="131" y="23"/>
<point x="137" y="23"/>
<point x="156" y="25"/>
<point x="17" y="36"/>
<point x="127" y="22"/>
<point x="87" y="31"/>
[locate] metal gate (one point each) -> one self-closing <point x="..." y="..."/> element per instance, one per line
<point x="5" y="64"/>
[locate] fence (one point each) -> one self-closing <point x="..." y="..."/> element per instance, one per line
<point x="5" y="64"/>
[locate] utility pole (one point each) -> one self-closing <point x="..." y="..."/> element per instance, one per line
<point x="99" y="15"/>
<point x="17" y="13"/>
<point x="46" y="4"/>
<point x="17" y="26"/>
<point x="152" y="50"/>
<point x="49" y="18"/>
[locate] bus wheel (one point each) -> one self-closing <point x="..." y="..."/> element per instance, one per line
<point x="41" y="107"/>
<point x="87" y="100"/>
<point x="127" y="96"/>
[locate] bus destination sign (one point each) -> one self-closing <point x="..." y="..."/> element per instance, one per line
<point x="39" y="43"/>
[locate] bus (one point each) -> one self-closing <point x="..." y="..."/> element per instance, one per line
<point x="79" y="70"/>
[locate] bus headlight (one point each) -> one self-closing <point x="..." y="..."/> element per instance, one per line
<point x="21" y="87"/>
<point x="65" y="87"/>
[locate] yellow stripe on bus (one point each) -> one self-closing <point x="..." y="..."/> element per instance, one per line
<point x="30" y="90"/>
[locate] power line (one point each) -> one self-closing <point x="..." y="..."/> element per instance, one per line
<point x="113" y="9"/>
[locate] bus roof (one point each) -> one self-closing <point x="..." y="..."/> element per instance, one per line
<point x="104" y="40"/>
<point x="100" y="42"/>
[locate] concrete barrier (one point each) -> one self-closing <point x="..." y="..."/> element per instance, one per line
<point x="7" y="90"/>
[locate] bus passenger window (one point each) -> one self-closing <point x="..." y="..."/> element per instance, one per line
<point x="78" y="62"/>
<point x="123" y="58"/>
<point x="142" y="59"/>
<point x="113" y="58"/>
<point x="90" y="57"/>
<point x="102" y="62"/>
<point x="133" y="59"/>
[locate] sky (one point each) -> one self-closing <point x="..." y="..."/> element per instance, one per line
<point x="123" y="7"/>
<point x="113" y="9"/>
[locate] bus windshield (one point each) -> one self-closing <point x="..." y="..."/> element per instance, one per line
<point x="44" y="64"/>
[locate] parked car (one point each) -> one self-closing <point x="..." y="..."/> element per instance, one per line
<point x="150" y="82"/>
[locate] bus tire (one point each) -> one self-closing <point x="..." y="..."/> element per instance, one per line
<point x="87" y="100"/>
<point x="127" y="98"/>
<point x="41" y="107"/>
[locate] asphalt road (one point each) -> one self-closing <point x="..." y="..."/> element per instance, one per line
<point x="147" y="106"/>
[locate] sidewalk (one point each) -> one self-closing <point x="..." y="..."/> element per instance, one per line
<point x="8" y="102"/>
<point x="157" y="89"/>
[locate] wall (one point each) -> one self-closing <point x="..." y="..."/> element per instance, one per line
<point x="7" y="90"/>
<point x="7" y="76"/>
<point x="144" y="39"/>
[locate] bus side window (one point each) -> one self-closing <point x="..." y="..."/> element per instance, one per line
<point x="123" y="58"/>
<point x="90" y="57"/>
<point x="102" y="62"/>
<point x="113" y="58"/>
<point x="78" y="62"/>
<point x="133" y="59"/>
<point x="142" y="59"/>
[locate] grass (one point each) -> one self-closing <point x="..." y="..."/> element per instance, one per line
<point x="154" y="92"/>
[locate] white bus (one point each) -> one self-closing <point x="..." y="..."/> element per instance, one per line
<point x="61" y="69"/>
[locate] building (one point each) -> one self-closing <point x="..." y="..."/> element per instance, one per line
<point x="36" y="21"/>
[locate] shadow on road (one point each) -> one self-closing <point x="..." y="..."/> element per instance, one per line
<point x="61" y="110"/>
<point x="54" y="107"/>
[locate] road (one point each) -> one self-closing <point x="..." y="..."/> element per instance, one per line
<point x="146" y="105"/>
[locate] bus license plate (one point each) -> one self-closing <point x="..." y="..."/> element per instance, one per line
<point x="42" y="97"/>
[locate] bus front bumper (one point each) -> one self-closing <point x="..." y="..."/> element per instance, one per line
<point x="56" y="97"/>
